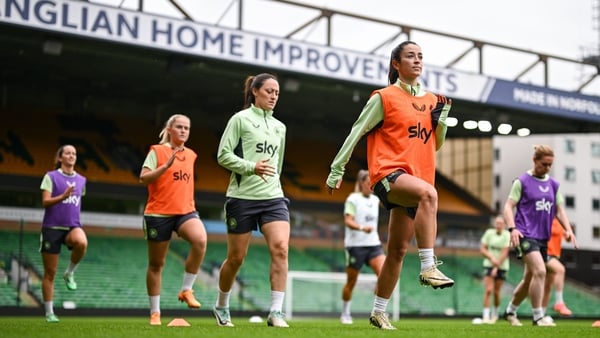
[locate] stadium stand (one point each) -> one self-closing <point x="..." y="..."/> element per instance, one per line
<point x="112" y="275"/>
<point x="113" y="150"/>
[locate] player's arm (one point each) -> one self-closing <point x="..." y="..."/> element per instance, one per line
<point x="508" y="212"/>
<point x="281" y="152"/>
<point x="226" y="156"/>
<point x="371" y="116"/>
<point x="486" y="253"/>
<point x="351" y="223"/>
<point x="503" y="255"/>
<point x="439" y="114"/>
<point x="151" y="171"/>
<point x="349" y="212"/>
<point x="47" y="187"/>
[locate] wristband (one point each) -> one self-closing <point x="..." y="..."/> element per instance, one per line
<point x="511" y="229"/>
<point x="360" y="228"/>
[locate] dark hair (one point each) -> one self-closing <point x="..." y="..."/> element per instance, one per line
<point x="396" y="52"/>
<point x="255" y="81"/>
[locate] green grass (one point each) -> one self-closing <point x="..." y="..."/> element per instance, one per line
<point x="90" y="327"/>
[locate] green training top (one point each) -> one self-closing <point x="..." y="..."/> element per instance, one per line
<point x="252" y="135"/>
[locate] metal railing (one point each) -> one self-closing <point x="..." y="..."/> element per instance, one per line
<point x="325" y="26"/>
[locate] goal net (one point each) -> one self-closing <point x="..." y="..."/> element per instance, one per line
<point x="314" y="293"/>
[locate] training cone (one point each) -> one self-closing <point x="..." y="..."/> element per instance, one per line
<point x="596" y="324"/>
<point x="179" y="322"/>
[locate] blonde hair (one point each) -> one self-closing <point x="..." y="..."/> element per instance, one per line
<point x="360" y="177"/>
<point x="164" y="133"/>
<point x="540" y="151"/>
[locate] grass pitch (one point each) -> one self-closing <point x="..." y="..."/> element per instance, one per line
<point x="90" y="327"/>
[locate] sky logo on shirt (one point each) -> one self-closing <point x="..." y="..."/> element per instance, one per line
<point x="421" y="133"/>
<point x="266" y="148"/>
<point x="543" y="205"/>
<point x="73" y="199"/>
<point x="181" y="176"/>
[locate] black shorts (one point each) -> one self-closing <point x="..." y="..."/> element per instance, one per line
<point x="527" y="245"/>
<point x="52" y="239"/>
<point x="381" y="189"/>
<point x="357" y="256"/>
<point x="243" y="216"/>
<point x="160" y="228"/>
<point x="500" y="274"/>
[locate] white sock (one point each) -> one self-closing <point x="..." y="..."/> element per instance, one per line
<point x="154" y="304"/>
<point x="486" y="313"/>
<point x="346" y="308"/>
<point x="49" y="307"/>
<point x="511" y="308"/>
<point x="71" y="268"/>
<point x="426" y="256"/>
<point x="188" y="281"/>
<point x="380" y="304"/>
<point x="537" y="313"/>
<point x="276" y="300"/>
<point x="558" y="297"/>
<point x="495" y="311"/>
<point x="223" y="299"/>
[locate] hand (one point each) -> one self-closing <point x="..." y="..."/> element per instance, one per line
<point x="494" y="272"/>
<point x="442" y="103"/>
<point x="570" y="237"/>
<point x="515" y="237"/>
<point x="174" y="155"/>
<point x="443" y="100"/>
<point x="367" y="229"/>
<point x="262" y="169"/>
<point x="337" y="186"/>
<point x="68" y="192"/>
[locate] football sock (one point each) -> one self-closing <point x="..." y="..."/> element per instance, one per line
<point x="49" y="307"/>
<point x="71" y="267"/>
<point x="223" y="299"/>
<point x="277" y="300"/>
<point x="426" y="257"/>
<point x="346" y="308"/>
<point x="154" y="304"/>
<point x="188" y="281"/>
<point x="558" y="297"/>
<point x="486" y="313"/>
<point x="380" y="304"/>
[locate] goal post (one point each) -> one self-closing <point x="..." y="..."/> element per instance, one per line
<point x="307" y="291"/>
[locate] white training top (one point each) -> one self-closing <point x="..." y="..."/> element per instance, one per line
<point x="366" y="213"/>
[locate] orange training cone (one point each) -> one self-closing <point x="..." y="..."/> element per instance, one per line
<point x="179" y="322"/>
